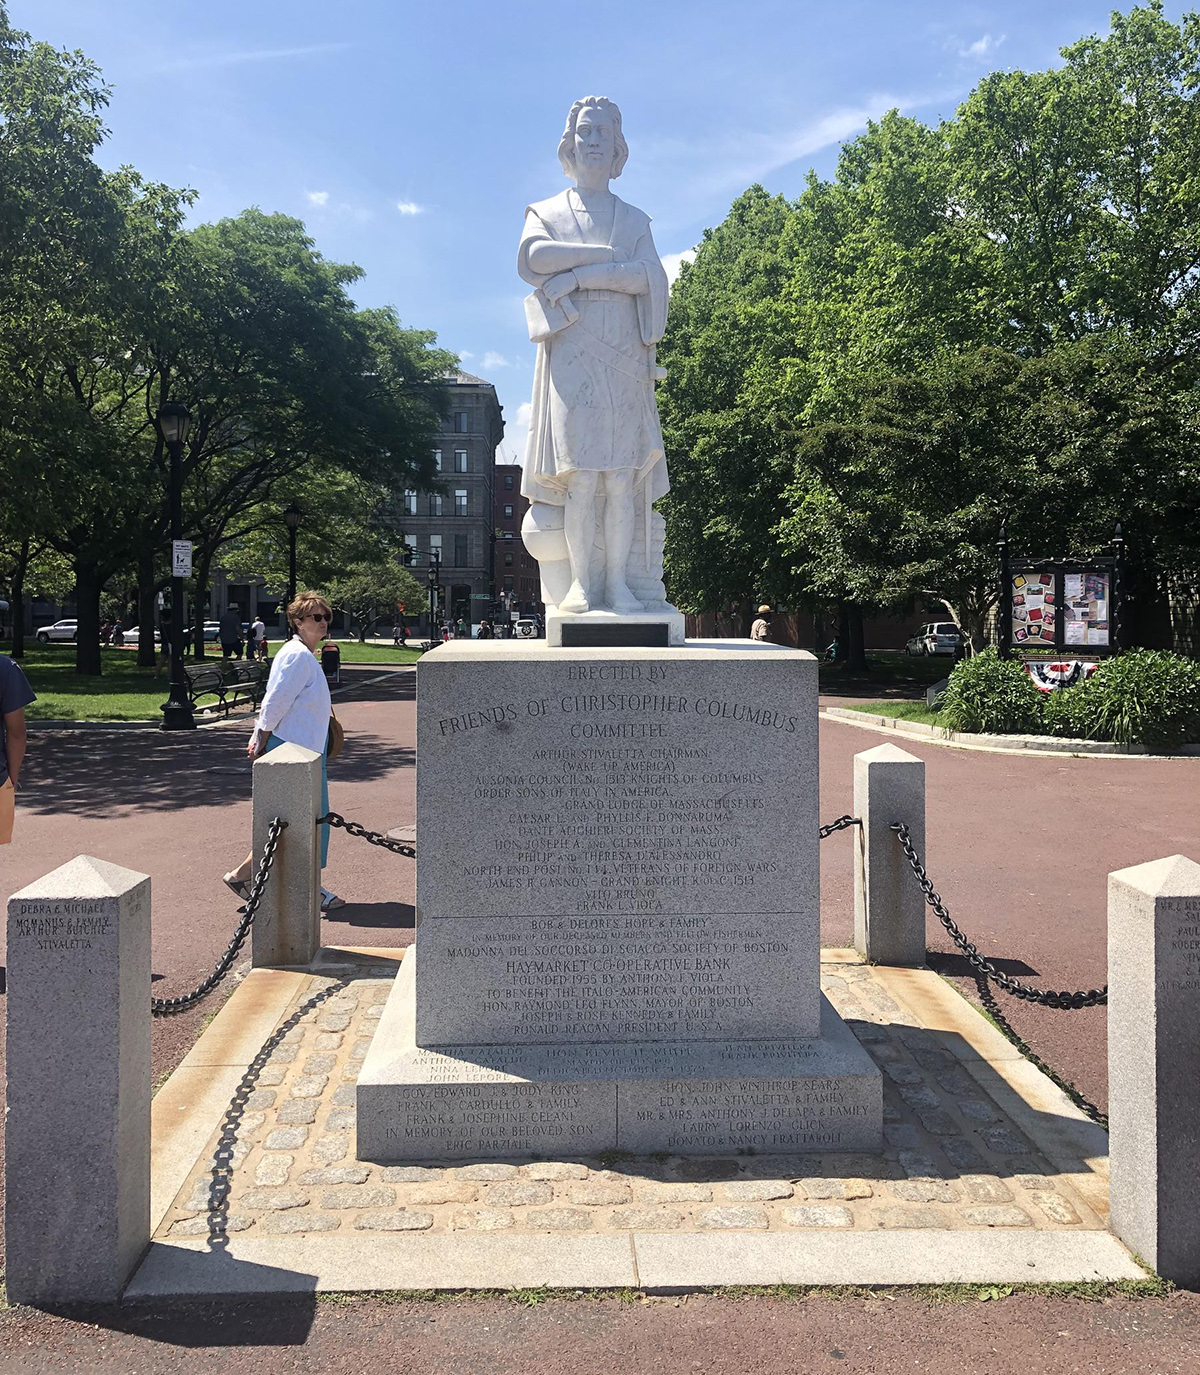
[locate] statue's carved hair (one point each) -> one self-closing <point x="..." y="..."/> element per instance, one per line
<point x="566" y="145"/>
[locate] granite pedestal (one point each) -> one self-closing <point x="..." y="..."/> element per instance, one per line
<point x="77" y="1127"/>
<point x="617" y="913"/>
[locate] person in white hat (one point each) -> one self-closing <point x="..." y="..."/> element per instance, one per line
<point x="761" y="629"/>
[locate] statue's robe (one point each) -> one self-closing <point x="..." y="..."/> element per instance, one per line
<point x="593" y="406"/>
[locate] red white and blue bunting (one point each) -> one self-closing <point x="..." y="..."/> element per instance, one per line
<point x="1066" y="673"/>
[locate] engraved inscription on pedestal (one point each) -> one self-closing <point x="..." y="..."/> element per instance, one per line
<point x="617" y="850"/>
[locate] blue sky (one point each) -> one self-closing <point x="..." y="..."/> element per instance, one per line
<point x="410" y="136"/>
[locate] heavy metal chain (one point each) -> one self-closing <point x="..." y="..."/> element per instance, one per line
<point x="371" y="837"/>
<point x="167" y="1007"/>
<point x="1045" y="997"/>
<point x="839" y="825"/>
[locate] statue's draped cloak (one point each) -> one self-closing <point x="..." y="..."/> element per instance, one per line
<point x="593" y="403"/>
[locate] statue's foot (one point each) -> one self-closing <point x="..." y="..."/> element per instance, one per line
<point x="576" y="601"/>
<point x="621" y="599"/>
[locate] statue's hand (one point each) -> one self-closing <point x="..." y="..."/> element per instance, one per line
<point x="558" y="286"/>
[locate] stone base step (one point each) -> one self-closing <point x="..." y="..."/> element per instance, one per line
<point x="688" y="1098"/>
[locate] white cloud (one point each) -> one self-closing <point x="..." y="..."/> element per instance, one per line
<point x="737" y="162"/>
<point x="464" y="354"/>
<point x="674" y="261"/>
<point x="410" y="208"/>
<point x="516" y="434"/>
<point x="495" y="360"/>
<point x="340" y="210"/>
<point x="981" y="49"/>
<point x="237" y="58"/>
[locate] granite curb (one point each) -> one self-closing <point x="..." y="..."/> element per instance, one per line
<point x="283" y="1252"/>
<point x="998" y="744"/>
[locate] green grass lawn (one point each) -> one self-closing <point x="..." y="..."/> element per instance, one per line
<point x="900" y="711"/>
<point x="354" y="653"/>
<point x="125" y="692"/>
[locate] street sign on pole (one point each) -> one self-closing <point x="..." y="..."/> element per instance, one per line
<point x="181" y="558"/>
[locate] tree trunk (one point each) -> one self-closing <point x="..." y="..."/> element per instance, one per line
<point x="843" y="635"/>
<point x="145" y="608"/>
<point x="18" y="601"/>
<point x="202" y="572"/>
<point x="88" y="584"/>
<point x="856" y="658"/>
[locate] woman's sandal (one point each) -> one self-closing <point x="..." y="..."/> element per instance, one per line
<point x="238" y="886"/>
<point x="330" y="901"/>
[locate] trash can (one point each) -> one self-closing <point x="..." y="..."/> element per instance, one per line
<point x="331" y="663"/>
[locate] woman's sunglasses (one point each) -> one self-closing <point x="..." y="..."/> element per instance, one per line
<point x="319" y="616"/>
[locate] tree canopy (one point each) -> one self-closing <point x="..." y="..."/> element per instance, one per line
<point x="110" y="305"/>
<point x="994" y="318"/>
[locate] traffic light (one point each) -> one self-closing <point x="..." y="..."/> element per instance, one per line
<point x="410" y="555"/>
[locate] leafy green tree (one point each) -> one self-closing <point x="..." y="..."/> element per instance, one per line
<point x="370" y="593"/>
<point x="727" y="468"/>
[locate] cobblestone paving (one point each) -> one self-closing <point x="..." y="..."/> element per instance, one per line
<point x="284" y="1159"/>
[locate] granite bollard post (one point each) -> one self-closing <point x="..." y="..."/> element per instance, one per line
<point x="77" y="1131"/>
<point x="287" y="929"/>
<point x="889" y="908"/>
<point x="1153" y="1056"/>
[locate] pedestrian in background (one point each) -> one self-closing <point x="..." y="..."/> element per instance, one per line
<point x="230" y="630"/>
<point x="15" y="696"/>
<point x="761" y="629"/>
<point x="296" y="709"/>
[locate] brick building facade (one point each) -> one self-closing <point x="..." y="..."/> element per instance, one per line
<point x="457" y="520"/>
<point x="518" y="582"/>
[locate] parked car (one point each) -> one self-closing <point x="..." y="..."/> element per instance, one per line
<point x="60" y="630"/>
<point x="936" y="637"/>
<point x="212" y="631"/>
<point x="527" y="628"/>
<point x="131" y="636"/>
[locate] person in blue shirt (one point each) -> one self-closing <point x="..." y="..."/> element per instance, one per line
<point x="15" y="696"/>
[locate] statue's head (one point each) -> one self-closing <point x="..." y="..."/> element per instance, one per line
<point x="593" y="135"/>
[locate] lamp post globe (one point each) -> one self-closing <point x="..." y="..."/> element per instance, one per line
<point x="174" y="421"/>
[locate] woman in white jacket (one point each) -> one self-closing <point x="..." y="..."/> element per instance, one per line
<point x="295" y="708"/>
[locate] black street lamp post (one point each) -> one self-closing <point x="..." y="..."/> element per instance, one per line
<point x="435" y="587"/>
<point x="173" y="420"/>
<point x="291" y="518"/>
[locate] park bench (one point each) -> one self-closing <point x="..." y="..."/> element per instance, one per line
<point x="204" y="681"/>
<point x="230" y="682"/>
<point x="244" y="682"/>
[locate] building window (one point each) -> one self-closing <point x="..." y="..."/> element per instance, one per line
<point x="460" y="501"/>
<point x="508" y="510"/>
<point x="437" y="459"/>
<point x="435" y="504"/>
<point x="461" y="557"/>
<point x="508" y="534"/>
<point x="410" y="503"/>
<point x="460" y="422"/>
<point x="460" y="460"/>
<point x="508" y="584"/>
<point x="508" y="482"/>
<point x="508" y="559"/>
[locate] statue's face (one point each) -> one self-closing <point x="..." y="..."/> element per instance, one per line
<point x="595" y="140"/>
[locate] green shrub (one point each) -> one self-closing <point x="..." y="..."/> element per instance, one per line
<point x="1146" y="697"/>
<point x="992" y="695"/>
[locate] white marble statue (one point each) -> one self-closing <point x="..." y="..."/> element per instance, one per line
<point x="594" y="465"/>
